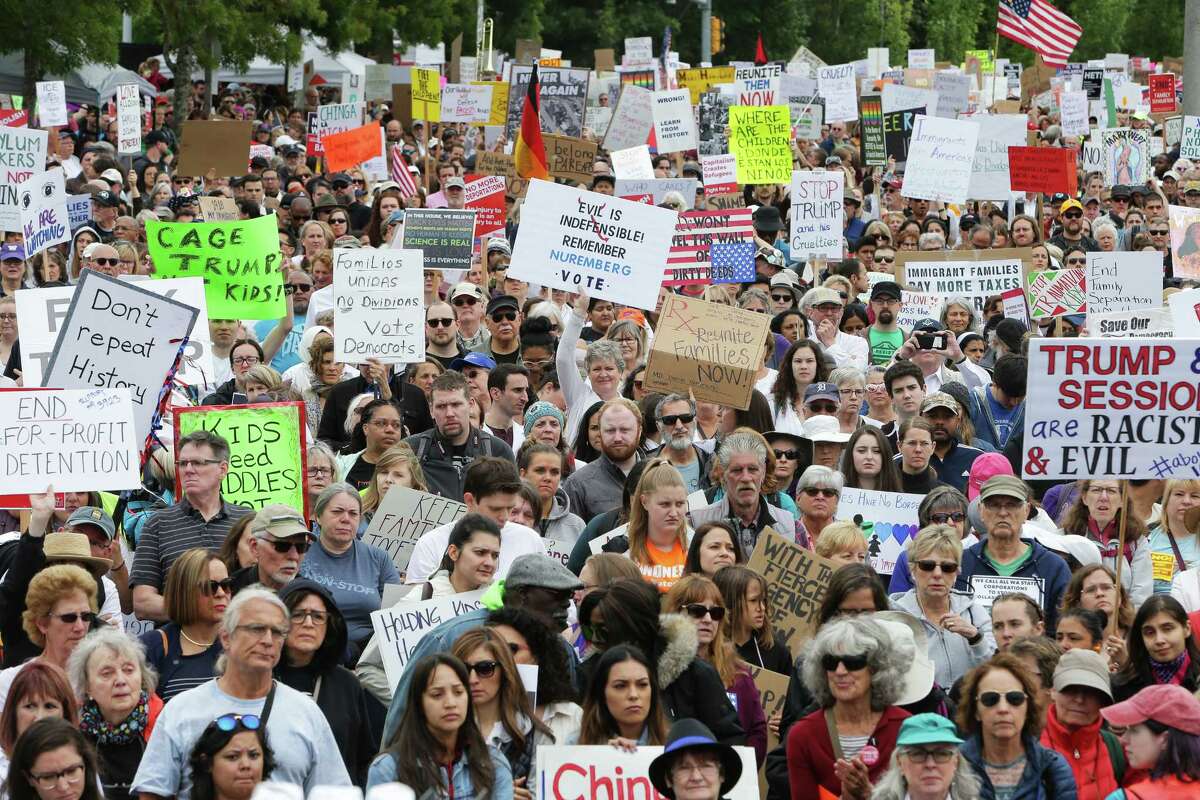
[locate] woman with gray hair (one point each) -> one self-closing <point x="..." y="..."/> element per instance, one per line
<point x="817" y="494"/>
<point x="108" y="671"/>
<point x="604" y="365"/>
<point x="957" y="627"/>
<point x="855" y="671"/>
<point x="958" y="316"/>
<point x="926" y="764"/>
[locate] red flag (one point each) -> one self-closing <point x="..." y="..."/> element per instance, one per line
<point x="760" y="53"/>
<point x="529" y="153"/>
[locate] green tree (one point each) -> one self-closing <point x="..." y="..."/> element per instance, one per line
<point x="1154" y="28"/>
<point x="1103" y="23"/>
<point x="845" y="32"/>
<point x="952" y="26"/>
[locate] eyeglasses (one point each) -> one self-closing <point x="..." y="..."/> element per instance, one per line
<point x="851" y="392"/>
<point x="181" y="181"/>
<point x="669" y="420"/>
<point x="246" y="360"/>
<point x="231" y="722"/>
<point x="1073" y="215"/>
<point x="790" y="455"/>
<point x="258" y="631"/>
<point x="439" y="322"/>
<point x="50" y="780"/>
<point x="624" y="339"/>
<point x="210" y="588"/>
<point x="813" y="491"/>
<point x="464" y="300"/>
<point x="992" y="699"/>
<point x="948" y="567"/>
<point x="71" y="617"/>
<point x="920" y="755"/>
<point x="699" y="610"/>
<point x="830" y="662"/>
<point x="107" y="262"/>
<point x="282" y="546"/>
<point x="505" y="316"/>
<point x="317" y="472"/>
<point x="1106" y="490"/>
<point x="195" y="463"/>
<point x="8" y="317"/>
<point x="299" y="288"/>
<point x="300" y="616"/>
<point x="484" y="669"/>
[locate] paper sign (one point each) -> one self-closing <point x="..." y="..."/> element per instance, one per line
<point x="239" y="262"/>
<point x="796" y="583"/>
<point x="218" y="209"/>
<point x="940" y="159"/>
<point x="873" y="140"/>
<point x="219" y="146"/>
<point x="607" y="773"/>
<point x="806" y="107"/>
<point x="570" y="158"/>
<point x="836" y="85"/>
<point x="445" y="236"/>
<point x="688" y="262"/>
<point x="1189" y="142"/>
<point x="400" y="628"/>
<point x="377" y="82"/>
<point x="129" y="119"/>
<point x="79" y="210"/>
<point x="51" y="104"/>
<point x="1126" y="156"/>
<point x="1055" y="292"/>
<point x="720" y="173"/>
<point x="915" y="307"/>
<point x="757" y="85"/>
<point x="1148" y="322"/>
<point x="674" y="125"/>
<point x="582" y="241"/>
<point x="957" y="274"/>
<point x="466" y="103"/>
<point x="404" y="516"/>
<point x="1074" y="110"/>
<point x="379" y="305"/>
<point x="1184" y="225"/>
<point x="347" y="149"/>
<point x="632" y="162"/>
<point x="897" y="97"/>
<point x="760" y="139"/>
<point x="22" y="154"/>
<point x="986" y="588"/>
<point x="632" y="120"/>
<point x="990" y="170"/>
<point x="921" y="59"/>
<point x="1123" y="281"/>
<point x="732" y="262"/>
<point x="426" y="94"/>
<point x="1111" y="407"/>
<point x="1045" y="170"/>
<point x="816" y="214"/>
<point x="1014" y="306"/>
<point x="888" y="519"/>
<point x="658" y="188"/>
<point x="954" y="91"/>
<point x="44" y="220"/>
<point x="638" y="50"/>
<point x="700" y="80"/>
<point x="81" y="440"/>
<point x="485" y="195"/>
<point x="1162" y="94"/>
<point x="267" y="455"/>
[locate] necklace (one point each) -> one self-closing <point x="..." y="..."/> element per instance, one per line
<point x="204" y="645"/>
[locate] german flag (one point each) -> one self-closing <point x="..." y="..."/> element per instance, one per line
<point x="529" y="154"/>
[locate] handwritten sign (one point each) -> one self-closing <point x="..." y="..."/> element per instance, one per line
<point x="1189" y="142"/>
<point x="399" y="629"/>
<point x="489" y="163"/>
<point x="348" y="149"/>
<point x="772" y="692"/>
<point x="689" y="259"/>
<point x="607" y="773"/>
<point x="570" y="158"/>
<point x="888" y="519"/>
<point x="404" y="516"/>
<point x="267" y="456"/>
<point x="760" y="139"/>
<point x="218" y="209"/>
<point x="940" y="159"/>
<point x="1055" y="292"/>
<point x="632" y="120"/>
<point x="796" y="583"/>
<point x="921" y="59"/>
<point x="836" y="85"/>
<point x="239" y="262"/>
<point x="632" y="163"/>
<point x="757" y="85"/>
<point x="1073" y="107"/>
<point x="1042" y="170"/>
<point x="817" y="213"/>
<point x="79" y="210"/>
<point x="44" y="219"/>
<point x="1123" y="281"/>
<point x="426" y="94"/>
<point x="129" y="119"/>
<point x="22" y="154"/>
<point x="674" y="125"/>
<point x="998" y="133"/>
<point x="378" y="305"/>
<point x="52" y="104"/>
<point x="699" y="80"/>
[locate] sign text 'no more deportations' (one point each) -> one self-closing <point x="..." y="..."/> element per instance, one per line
<point x="1125" y="408"/>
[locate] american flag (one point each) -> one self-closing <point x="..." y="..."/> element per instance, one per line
<point x="688" y="260"/>
<point x="401" y="175"/>
<point x="732" y="262"/>
<point x="1041" y="27"/>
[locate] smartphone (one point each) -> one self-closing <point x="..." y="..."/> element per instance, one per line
<point x="931" y="341"/>
<point x="239" y="399"/>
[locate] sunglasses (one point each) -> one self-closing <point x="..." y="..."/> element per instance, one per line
<point x="439" y="322"/>
<point x="209" y="588"/>
<point x="336" y="221"/>
<point x="782" y="298"/>
<point x="823" y="408"/>
<point x="1073" y="215"/>
<point x="1077" y="261"/>
<point x="506" y="316"/>
<point x="991" y="699"/>
<point x="699" y="610"/>
<point x="790" y="455"/>
<point x="231" y="722"/>
<point x="284" y="546"/>
<point x="107" y="262"/>
<point x="813" y="491"/>
<point x="852" y="663"/>
<point x="885" y="259"/>
<point x="484" y="669"/>
<point x="465" y="300"/>
<point x="948" y="567"/>
<point x="71" y="617"/>
<point x="670" y="419"/>
<point x="1162" y="232"/>
<point x="298" y="288"/>
<point x="942" y="519"/>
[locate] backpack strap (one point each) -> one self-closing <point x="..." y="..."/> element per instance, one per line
<point x="422" y="446"/>
<point x="1116" y="755"/>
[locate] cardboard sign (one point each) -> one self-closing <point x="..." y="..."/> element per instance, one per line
<point x="990" y="170"/>
<point x="218" y="209"/>
<point x="836" y="85"/>
<point x="404" y="516"/>
<point x="347" y="149"/>
<point x="486" y="196"/>
<point x="44" y="220"/>
<point x="377" y="82"/>
<point x="806" y="107"/>
<point x="1055" y="292"/>
<point x="1184" y="223"/>
<point x="796" y="583"/>
<point x="466" y="103"/>
<point x="218" y="146"/>
<point x="445" y="236"/>
<point x="632" y="120"/>
<point x="1149" y="322"/>
<point x="570" y="159"/>
<point x="1162" y="94"/>
<point x="400" y="628"/>
<point x="267" y="456"/>
<point x="22" y="154"/>
<point x="378" y="305"/>
<point x="1189" y="141"/>
<point x="582" y="241"/>
<point x="239" y="262"/>
<point x="719" y="173"/>
<point x="1044" y="170"/>
<point x="674" y="125"/>
<point x="1126" y="156"/>
<point x="51" y="104"/>
<point x="700" y="80"/>
<point x="1123" y="281"/>
<point x="972" y="274"/>
<point x="607" y="773"/>
<point x="940" y="159"/>
<point x="817" y="214"/>
<point x="80" y="440"/>
<point x="760" y="139"/>
<point x="605" y="59"/>
<point x="689" y="260"/>
<point x="129" y="120"/>
<point x="489" y="163"/>
<point x="888" y="519"/>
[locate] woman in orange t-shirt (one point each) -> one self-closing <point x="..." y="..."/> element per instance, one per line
<point x="657" y="529"/>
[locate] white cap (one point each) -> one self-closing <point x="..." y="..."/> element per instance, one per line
<point x="824" y="428"/>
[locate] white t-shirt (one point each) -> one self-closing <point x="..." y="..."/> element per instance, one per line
<point x="515" y="540"/>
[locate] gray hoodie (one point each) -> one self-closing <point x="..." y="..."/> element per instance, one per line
<point x="951" y="654"/>
<point x="561" y="525"/>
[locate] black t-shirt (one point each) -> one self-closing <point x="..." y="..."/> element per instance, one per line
<point x="506" y="358"/>
<point x="360" y="474"/>
<point x="446" y="361"/>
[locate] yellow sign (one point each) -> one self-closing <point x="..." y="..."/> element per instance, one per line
<point x="760" y="137"/>
<point x="700" y="80"/>
<point x="1164" y="566"/>
<point x="426" y="94"/>
<point x="499" y="101"/>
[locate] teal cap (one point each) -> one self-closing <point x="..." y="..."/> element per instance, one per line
<point x="927" y="729"/>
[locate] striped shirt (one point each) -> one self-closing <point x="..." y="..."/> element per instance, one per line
<point x="171" y="532"/>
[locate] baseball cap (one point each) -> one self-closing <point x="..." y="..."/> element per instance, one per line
<point x="886" y="289"/>
<point x="473" y="360"/>
<point x="983" y="469"/>
<point x="850" y="197"/>
<point x="821" y="390"/>
<point x="784" y="277"/>
<point x="106" y="198"/>
<point x="454" y="183"/>
<point x="1120" y="190"/>
<point x="967" y="221"/>
<point x="941" y="400"/>
<point x="927" y="729"/>
<point x="1172" y="174"/>
<point x="294" y="150"/>
<point x="691" y="168"/>
<point x="1080" y="667"/>
<point x="1191" y="187"/>
<point x="12" y="252"/>
<point x="1072" y="203"/>
<point x="1168" y="704"/>
<point x="466" y="289"/>
<point x="820" y="295"/>
<point x="538" y="569"/>
<point x="279" y="521"/>
<point x="824" y="428"/>
<point x="284" y="141"/>
<point x="111" y="175"/>
<point x="502" y="301"/>
<point x="771" y="254"/>
<point x="1004" y="486"/>
<point x="91" y="515"/>
<point x="340" y="177"/>
<point x="1059" y="197"/>
<point x="928" y="325"/>
<point x="1091" y="198"/>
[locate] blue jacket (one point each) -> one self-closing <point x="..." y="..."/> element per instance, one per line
<point x="981" y="418"/>
<point x="1047" y="775"/>
<point x="383" y="770"/>
<point x="1045" y="564"/>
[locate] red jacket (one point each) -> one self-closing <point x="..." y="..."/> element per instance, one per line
<point x="1086" y="754"/>
<point x="810" y="754"/>
<point x="1168" y="788"/>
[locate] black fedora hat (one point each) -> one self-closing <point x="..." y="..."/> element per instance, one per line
<point x="691" y="734"/>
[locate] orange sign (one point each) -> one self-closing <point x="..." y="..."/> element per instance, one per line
<point x="348" y="149"/>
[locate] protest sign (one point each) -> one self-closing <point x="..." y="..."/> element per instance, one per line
<point x="400" y="628"/>
<point x="79" y="210"/>
<point x="989" y="172"/>
<point x="836" y="86"/>
<point x="674" y="125"/>
<point x="462" y="102"/>
<point x="577" y="240"/>
<point x="873" y="140"/>
<point x="1162" y="93"/>
<point x="485" y="195"/>
<point x="720" y="173"/>
<point x="953" y="92"/>
<point x="22" y="154"/>
<point x="897" y="97"/>
<point x="378" y="305"/>
<point x="445" y="236"/>
<point x="760" y="139"/>
<point x="499" y="113"/>
<point x="757" y="85"/>
<point x="563" y="98"/>
<point x="700" y="80"/>
<point x="638" y="50"/>
<point x="403" y="517"/>
<point x="1014" y="306"/>
<point x="1123" y="281"/>
<point x="570" y="159"/>
<point x="940" y="159"/>
<point x="1042" y="170"/>
<point x="632" y="120"/>
<point x="489" y="163"/>
<point x="1184" y="225"/>
<point x="1146" y="322"/>
<point x="1055" y="292"/>
<point x="267" y="456"/>
<point x="695" y="232"/>
<point x="129" y="120"/>
<point x="559" y="550"/>
<point x="888" y="520"/>
<point x="915" y="307"/>
<point x="710" y="349"/>
<point x="219" y="146"/>
<point x="51" y="104"/>
<point x="713" y="116"/>
<point x="331" y="119"/>
<point x="377" y="82"/>
<point x="601" y="772"/>
<point x="1189" y="141"/>
<point x="796" y="583"/>
<point x="921" y="59"/>
<point x="44" y="221"/>
<point x="218" y="209"/>
<point x="1172" y="131"/>
<point x="1126" y="156"/>
<point x="347" y="149"/>
<point x="604" y="59"/>
<point x="632" y="162"/>
<point x="80" y="440"/>
<point x="974" y="274"/>
<point x="806" y="107"/>
<point x="239" y="262"/>
<point x="1074" y="110"/>
<point x="817" y="214"/>
<point x="1185" y="313"/>
<point x="1093" y="82"/>
<point x="1112" y="407"/>
<point x="657" y="189"/>
<point x="732" y="262"/>
<point x="897" y="133"/>
<point x="772" y="691"/>
<point x="119" y="335"/>
<point x="426" y="94"/>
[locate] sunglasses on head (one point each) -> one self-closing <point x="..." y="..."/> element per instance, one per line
<point x="670" y="419"/>
<point x="231" y="722"/>
<point x="830" y="662"/>
<point x="443" y="322"/>
<point x="991" y="699"/>
<point x="790" y="455"/>
<point x="813" y="491"/>
<point x="504" y="316"/>
<point x="210" y="588"/>
<point x="948" y="567"/>
<point x="699" y="610"/>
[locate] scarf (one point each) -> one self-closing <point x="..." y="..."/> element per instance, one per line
<point x="1109" y="540"/>
<point x="94" y="726"/>
<point x="1171" y="672"/>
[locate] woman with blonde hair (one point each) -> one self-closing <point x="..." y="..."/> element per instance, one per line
<point x="398" y="466"/>
<point x="632" y="340"/>
<point x="842" y="543"/>
<point x="657" y="535"/>
<point x="315" y="236"/>
<point x="262" y="383"/>
<point x="60" y="608"/>
<point x="1174" y="544"/>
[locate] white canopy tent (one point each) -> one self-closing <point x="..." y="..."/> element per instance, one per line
<point x="91" y="83"/>
<point x="261" y="70"/>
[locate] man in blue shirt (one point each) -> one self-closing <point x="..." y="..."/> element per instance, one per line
<point x="299" y="286"/>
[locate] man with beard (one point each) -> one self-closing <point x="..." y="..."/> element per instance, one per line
<point x="951" y="458"/>
<point x="884" y="336"/>
<point x="508" y="388"/>
<point x="448" y="449"/>
<point x="676" y="418"/>
<point x="1071" y="215"/>
<point x="504" y="322"/>
<point x="596" y="488"/>
<point x="394" y="132"/>
<point x="441" y="334"/>
<point x="455" y="192"/>
<point x="300" y="286"/>
<point x="743" y="460"/>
